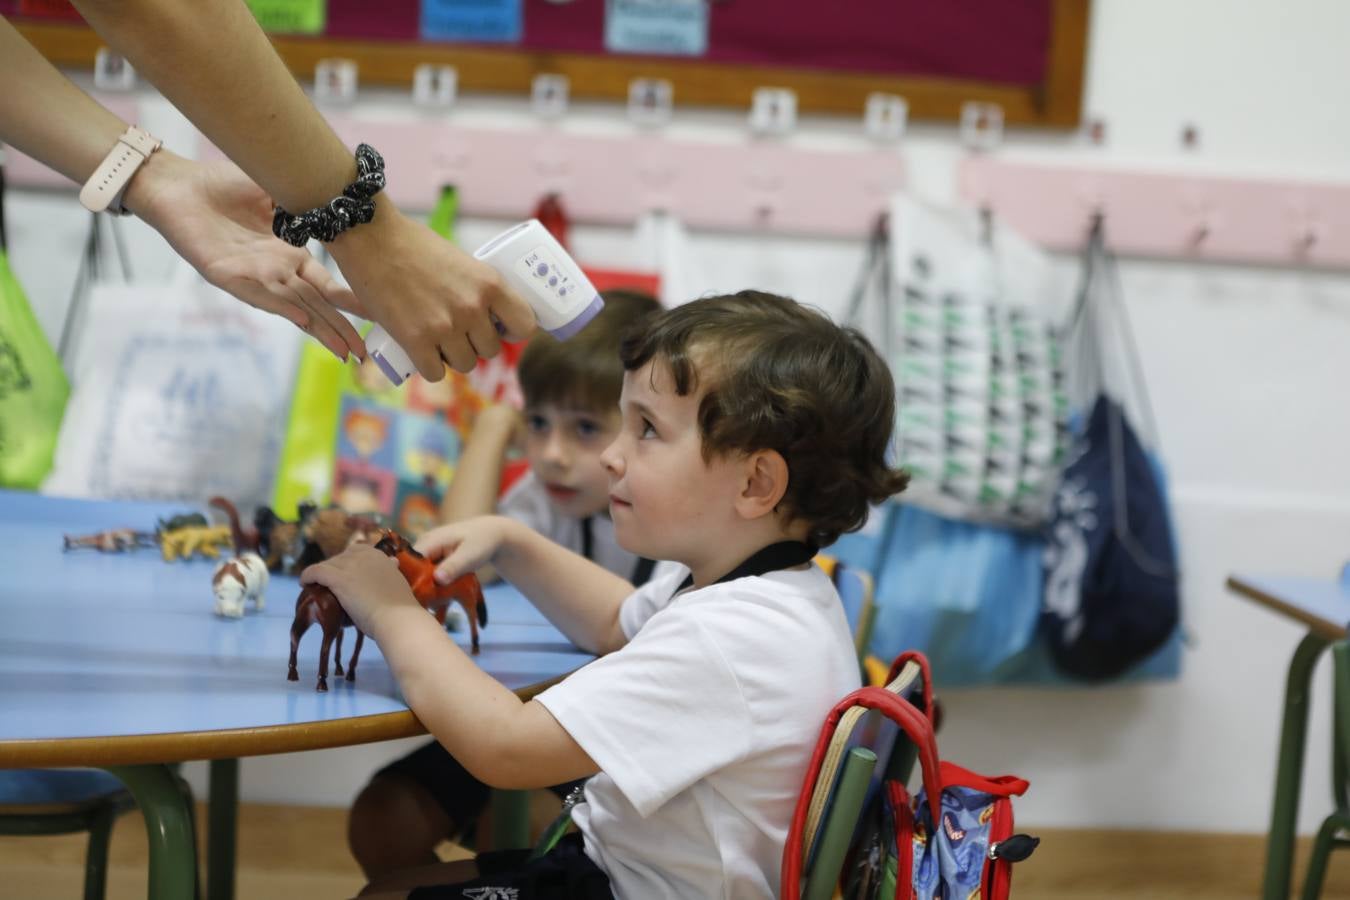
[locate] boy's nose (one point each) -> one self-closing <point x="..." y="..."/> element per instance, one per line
<point x="612" y="459"/>
<point x="557" y="451"/>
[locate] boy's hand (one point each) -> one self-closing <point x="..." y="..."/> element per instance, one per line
<point x="462" y="547"/>
<point x="366" y="582"/>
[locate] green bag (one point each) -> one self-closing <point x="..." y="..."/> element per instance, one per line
<point x="33" y="389"/>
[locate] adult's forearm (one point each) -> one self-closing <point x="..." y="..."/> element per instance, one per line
<point x="212" y="61"/>
<point x="46" y="116"/>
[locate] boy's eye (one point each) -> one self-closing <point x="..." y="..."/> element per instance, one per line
<point x="587" y="428"/>
<point x="648" y="429"/>
<point x="536" y="423"/>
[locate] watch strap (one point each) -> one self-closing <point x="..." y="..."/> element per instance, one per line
<point x="104" y="189"/>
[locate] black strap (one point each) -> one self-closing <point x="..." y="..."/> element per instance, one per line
<point x="587" y="541"/>
<point x="782" y="555"/>
<point x="642" y="571"/>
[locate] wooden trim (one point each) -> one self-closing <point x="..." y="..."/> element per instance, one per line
<point x="1332" y="631"/>
<point x="1055" y="103"/>
<point x="226" y="743"/>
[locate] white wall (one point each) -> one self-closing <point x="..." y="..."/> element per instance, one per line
<point x="1247" y="368"/>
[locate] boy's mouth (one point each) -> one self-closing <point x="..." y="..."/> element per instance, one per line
<point x="615" y="501"/>
<point x="560" y="492"/>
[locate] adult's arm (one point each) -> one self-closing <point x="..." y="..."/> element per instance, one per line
<point x="211" y="60"/>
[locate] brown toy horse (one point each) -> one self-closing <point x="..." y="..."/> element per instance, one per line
<point x="317" y="603"/>
<point x="436" y="597"/>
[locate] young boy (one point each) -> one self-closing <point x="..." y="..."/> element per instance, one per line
<point x="571" y="414"/>
<point x="754" y="431"/>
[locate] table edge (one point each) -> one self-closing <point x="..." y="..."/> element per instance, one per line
<point x="225" y="743"/>
<point x="1323" y="628"/>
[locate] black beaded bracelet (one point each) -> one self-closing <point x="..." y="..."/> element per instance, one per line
<point x="356" y="206"/>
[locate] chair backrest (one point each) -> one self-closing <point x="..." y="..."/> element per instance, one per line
<point x="855" y="592"/>
<point x="866" y="749"/>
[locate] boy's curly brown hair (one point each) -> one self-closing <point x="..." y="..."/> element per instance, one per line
<point x="776" y="375"/>
<point x="584" y="372"/>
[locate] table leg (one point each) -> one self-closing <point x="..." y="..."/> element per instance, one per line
<point x="222" y="827"/>
<point x="510" y="819"/>
<point x="1289" y="769"/>
<point x="168" y="825"/>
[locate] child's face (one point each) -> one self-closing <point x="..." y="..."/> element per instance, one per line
<point x="667" y="502"/>
<point x="563" y="446"/>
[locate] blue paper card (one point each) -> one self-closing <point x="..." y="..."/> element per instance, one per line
<point x="660" y="27"/>
<point x="484" y="21"/>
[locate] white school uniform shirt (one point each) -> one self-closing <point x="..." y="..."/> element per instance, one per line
<point x="703" y="726"/>
<point x="526" y="501"/>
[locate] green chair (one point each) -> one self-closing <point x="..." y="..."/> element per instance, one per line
<point x="68" y="801"/>
<point x="1329" y="835"/>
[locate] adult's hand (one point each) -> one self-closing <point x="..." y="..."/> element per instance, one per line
<point x="220" y="221"/>
<point x="435" y="300"/>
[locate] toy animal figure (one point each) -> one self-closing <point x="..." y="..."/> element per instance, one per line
<point x="237" y="581"/>
<point x="114" y="540"/>
<point x="421" y="575"/>
<point x="182" y="543"/>
<point x="327" y="532"/>
<point x="317" y="604"/>
<point x="182" y="520"/>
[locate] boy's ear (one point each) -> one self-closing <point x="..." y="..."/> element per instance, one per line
<point x="766" y="481"/>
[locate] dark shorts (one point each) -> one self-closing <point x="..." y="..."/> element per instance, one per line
<point x="565" y="873"/>
<point x="462" y="796"/>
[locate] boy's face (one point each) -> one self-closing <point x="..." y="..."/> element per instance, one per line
<point x="563" y="448"/>
<point x="667" y="502"/>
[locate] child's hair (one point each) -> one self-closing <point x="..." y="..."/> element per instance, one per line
<point x="584" y="372"/>
<point x="776" y="375"/>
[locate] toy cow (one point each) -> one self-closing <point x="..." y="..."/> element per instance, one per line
<point x="238" y="581"/>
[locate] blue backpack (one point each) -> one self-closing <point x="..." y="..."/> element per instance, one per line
<point x="1111" y="591"/>
<point x="1111" y="585"/>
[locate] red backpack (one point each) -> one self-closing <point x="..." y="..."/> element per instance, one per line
<point x="953" y="839"/>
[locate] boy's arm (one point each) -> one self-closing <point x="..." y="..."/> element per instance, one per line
<point x="580" y="598"/>
<point x="473" y="489"/>
<point x="501" y="741"/>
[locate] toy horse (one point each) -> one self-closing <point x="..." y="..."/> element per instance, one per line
<point x="115" y="540"/>
<point x="421" y="575"/>
<point x="317" y="603"/>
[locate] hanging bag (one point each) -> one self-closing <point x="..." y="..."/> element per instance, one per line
<point x="1112" y="593"/>
<point x="962" y="313"/>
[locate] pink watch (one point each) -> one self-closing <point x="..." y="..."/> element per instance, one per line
<point x="104" y="189"/>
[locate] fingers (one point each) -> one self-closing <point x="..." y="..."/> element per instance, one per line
<point x="330" y="288"/>
<point x="438" y="541"/>
<point x="459" y="354"/>
<point x="347" y="335"/>
<point x="318" y="328"/>
<point x="510" y="309"/>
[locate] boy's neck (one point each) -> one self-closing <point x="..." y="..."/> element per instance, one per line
<point x="730" y="550"/>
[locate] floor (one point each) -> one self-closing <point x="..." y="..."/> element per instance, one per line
<point x="300" y="853"/>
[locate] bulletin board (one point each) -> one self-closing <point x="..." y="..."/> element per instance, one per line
<point x="1025" y="55"/>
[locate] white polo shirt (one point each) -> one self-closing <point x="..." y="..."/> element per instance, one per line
<point x="703" y="726"/>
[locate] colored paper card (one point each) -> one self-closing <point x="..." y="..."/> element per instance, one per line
<point x="660" y="27"/>
<point x="483" y="21"/>
<point x="290" y="16"/>
<point x="48" y="9"/>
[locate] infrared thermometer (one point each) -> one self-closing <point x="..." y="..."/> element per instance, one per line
<point x="537" y="268"/>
